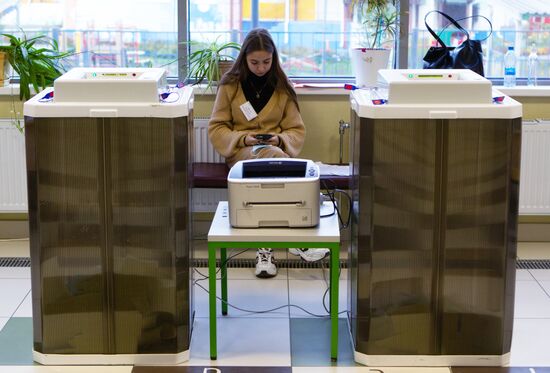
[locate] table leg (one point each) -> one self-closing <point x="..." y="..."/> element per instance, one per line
<point x="334" y="284"/>
<point x="212" y="299"/>
<point x="223" y="264"/>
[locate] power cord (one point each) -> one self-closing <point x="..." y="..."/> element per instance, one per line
<point x="205" y="277"/>
<point x="330" y="193"/>
<point x="328" y="287"/>
<point x="265" y="311"/>
<point x="330" y="213"/>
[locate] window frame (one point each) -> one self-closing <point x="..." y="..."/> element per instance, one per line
<point x="183" y="35"/>
<point x="401" y="44"/>
<point x="401" y="47"/>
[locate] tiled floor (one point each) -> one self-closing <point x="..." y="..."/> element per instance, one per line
<point x="285" y="337"/>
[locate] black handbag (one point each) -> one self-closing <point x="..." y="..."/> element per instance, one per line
<point x="467" y="55"/>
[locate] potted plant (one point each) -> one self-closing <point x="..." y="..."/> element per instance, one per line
<point x="209" y="62"/>
<point x="379" y="20"/>
<point x="36" y="60"/>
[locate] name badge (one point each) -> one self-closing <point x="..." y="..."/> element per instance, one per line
<point x="248" y="111"/>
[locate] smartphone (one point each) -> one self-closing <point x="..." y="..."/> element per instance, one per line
<point x="263" y="136"/>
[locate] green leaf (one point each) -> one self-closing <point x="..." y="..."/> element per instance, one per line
<point x="36" y="66"/>
<point x="204" y="57"/>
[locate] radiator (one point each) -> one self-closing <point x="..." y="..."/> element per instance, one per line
<point x="206" y="199"/>
<point x="13" y="178"/>
<point x="534" y="195"/>
<point x="204" y="151"/>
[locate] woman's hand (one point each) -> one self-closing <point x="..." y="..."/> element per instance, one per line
<point x="274" y="140"/>
<point x="251" y="140"/>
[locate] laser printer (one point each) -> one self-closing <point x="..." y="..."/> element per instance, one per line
<point x="274" y="192"/>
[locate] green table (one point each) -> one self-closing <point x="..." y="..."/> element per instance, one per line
<point x="222" y="236"/>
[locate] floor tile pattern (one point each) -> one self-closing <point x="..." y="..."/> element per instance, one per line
<point x="285" y="340"/>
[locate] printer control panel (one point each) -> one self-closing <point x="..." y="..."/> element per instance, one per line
<point x="312" y="171"/>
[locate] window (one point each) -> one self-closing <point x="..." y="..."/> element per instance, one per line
<point x="313" y="36"/>
<point x="522" y="24"/>
<point x="138" y="33"/>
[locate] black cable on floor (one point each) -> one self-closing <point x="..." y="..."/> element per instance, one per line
<point x="205" y="277"/>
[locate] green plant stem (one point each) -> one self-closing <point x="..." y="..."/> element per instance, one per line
<point x="37" y="67"/>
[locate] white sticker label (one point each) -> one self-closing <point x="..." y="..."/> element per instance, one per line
<point x="248" y="111"/>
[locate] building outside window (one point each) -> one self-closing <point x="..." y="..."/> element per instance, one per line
<point x="133" y="33"/>
<point x="313" y="36"/>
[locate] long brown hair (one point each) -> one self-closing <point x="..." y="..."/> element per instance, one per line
<point x="259" y="39"/>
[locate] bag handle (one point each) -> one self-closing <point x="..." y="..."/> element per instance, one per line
<point x="464" y="18"/>
<point x="450" y="19"/>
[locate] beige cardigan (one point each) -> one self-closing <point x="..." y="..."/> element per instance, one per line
<point x="228" y="126"/>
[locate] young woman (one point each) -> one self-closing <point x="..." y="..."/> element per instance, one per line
<point x="257" y="105"/>
<point x="255" y="97"/>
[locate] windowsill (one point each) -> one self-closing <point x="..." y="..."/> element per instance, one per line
<point x="9" y="90"/>
<point x="338" y="89"/>
<point x="200" y="90"/>
<point x="324" y="89"/>
<point x="12" y="90"/>
<point x="525" y="91"/>
<point x="319" y="89"/>
<point x="301" y="89"/>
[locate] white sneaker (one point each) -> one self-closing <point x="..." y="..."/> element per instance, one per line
<point x="265" y="264"/>
<point x="310" y="255"/>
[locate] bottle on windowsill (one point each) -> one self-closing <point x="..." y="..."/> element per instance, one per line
<point x="532" y="64"/>
<point x="510" y="68"/>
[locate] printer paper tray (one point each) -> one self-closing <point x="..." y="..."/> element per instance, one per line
<point x="274" y="216"/>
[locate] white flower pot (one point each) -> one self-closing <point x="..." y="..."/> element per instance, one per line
<point x="366" y="62"/>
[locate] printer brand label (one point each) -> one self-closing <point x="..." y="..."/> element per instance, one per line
<point x="252" y="185"/>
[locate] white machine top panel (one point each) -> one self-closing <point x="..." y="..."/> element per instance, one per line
<point x="417" y="86"/>
<point x="96" y="84"/>
<point x="433" y="94"/>
<point x="177" y="103"/>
